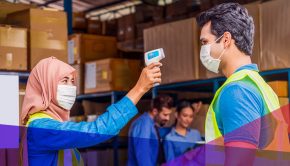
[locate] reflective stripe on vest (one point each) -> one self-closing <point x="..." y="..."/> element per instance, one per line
<point x="212" y="132"/>
<point x="74" y="152"/>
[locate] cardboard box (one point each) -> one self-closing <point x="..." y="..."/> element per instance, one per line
<point x="283" y="101"/>
<point x="275" y="31"/>
<point x="147" y="13"/>
<point x="285" y="108"/>
<point x="180" y="48"/>
<point x="126" y="27"/>
<point x="135" y="45"/>
<point x="178" y="8"/>
<point x="110" y="28"/>
<point x="280" y="88"/>
<point x="91" y="47"/>
<point x="8" y="7"/>
<point x="94" y="108"/>
<point x="199" y="124"/>
<point x="94" y="27"/>
<point x="79" y="21"/>
<point x="199" y="119"/>
<point x="80" y="78"/>
<point x="47" y="33"/>
<point x="13" y="48"/>
<point x="141" y="27"/>
<point x="111" y="75"/>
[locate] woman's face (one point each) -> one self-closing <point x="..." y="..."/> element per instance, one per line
<point x="185" y="117"/>
<point x="67" y="80"/>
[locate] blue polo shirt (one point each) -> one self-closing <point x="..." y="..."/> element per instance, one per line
<point x="240" y="107"/>
<point x="176" y="144"/>
<point x="143" y="142"/>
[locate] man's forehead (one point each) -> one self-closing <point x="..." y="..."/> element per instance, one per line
<point x="205" y="31"/>
<point x="166" y="110"/>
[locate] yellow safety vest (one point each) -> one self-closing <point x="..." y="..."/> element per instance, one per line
<point x="74" y="152"/>
<point x="280" y="140"/>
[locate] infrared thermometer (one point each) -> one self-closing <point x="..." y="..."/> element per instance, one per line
<point x="154" y="56"/>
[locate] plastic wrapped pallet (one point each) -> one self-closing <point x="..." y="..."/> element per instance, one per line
<point x="180" y="43"/>
<point x="275" y="34"/>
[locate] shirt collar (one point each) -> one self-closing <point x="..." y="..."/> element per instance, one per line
<point x="176" y="133"/>
<point x="248" y="67"/>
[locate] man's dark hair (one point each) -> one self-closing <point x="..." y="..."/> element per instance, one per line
<point x="162" y="101"/>
<point x="233" y="18"/>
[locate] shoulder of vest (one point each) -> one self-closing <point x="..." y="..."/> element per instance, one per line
<point x="37" y="115"/>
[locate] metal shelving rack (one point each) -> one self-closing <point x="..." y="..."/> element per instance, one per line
<point x="205" y="85"/>
<point x="212" y="84"/>
<point x="100" y="97"/>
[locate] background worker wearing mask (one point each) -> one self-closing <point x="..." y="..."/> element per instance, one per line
<point x="234" y="116"/>
<point x="181" y="138"/>
<point x="145" y="144"/>
<point x="50" y="94"/>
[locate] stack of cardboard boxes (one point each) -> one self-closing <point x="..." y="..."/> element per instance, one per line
<point x="180" y="41"/>
<point x="47" y="33"/>
<point x="99" y="69"/>
<point x="31" y="35"/>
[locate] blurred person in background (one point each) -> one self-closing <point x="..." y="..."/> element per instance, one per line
<point x="145" y="140"/>
<point x="181" y="137"/>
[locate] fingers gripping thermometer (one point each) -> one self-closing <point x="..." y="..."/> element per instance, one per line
<point x="154" y="56"/>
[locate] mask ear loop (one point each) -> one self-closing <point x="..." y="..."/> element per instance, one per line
<point x="223" y="49"/>
<point x="221" y="54"/>
<point x="219" y="38"/>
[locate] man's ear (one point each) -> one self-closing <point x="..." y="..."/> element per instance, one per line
<point x="175" y="115"/>
<point x="154" y="111"/>
<point x="227" y="39"/>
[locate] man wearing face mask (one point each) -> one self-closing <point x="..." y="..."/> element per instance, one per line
<point x="145" y="139"/>
<point x="240" y="114"/>
<point x="50" y="93"/>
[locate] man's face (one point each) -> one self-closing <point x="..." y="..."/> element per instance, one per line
<point x="206" y="37"/>
<point x="163" y="116"/>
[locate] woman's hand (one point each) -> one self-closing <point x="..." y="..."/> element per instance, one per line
<point x="149" y="76"/>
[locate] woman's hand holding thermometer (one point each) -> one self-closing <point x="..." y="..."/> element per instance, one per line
<point x="154" y="56"/>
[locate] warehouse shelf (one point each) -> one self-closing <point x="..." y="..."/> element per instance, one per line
<point x="203" y="85"/>
<point x="111" y="96"/>
<point x="212" y="84"/>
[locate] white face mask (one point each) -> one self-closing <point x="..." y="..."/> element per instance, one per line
<point x="66" y="96"/>
<point x="207" y="60"/>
